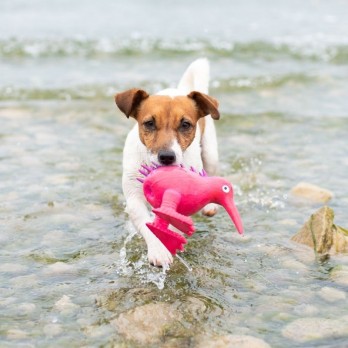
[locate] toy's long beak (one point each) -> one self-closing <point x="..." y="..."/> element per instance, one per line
<point x="234" y="214"/>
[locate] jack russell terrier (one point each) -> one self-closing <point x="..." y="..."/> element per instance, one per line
<point x="174" y="126"/>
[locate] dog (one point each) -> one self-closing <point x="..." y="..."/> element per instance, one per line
<point x="173" y="127"/>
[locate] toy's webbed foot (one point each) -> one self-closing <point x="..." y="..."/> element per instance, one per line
<point x="171" y="240"/>
<point x="181" y="222"/>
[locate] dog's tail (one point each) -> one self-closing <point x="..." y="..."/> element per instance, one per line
<point x="196" y="77"/>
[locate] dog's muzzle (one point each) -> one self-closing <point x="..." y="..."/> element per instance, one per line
<point x="166" y="157"/>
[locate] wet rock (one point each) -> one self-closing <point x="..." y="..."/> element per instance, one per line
<point x="320" y="233"/>
<point x="232" y="341"/>
<point x="194" y="307"/>
<point x="146" y="324"/>
<point x="312" y="192"/>
<point x="65" y="305"/>
<point x="340" y="240"/>
<point x="339" y="275"/>
<point x="311" y="329"/>
<point x="331" y="294"/>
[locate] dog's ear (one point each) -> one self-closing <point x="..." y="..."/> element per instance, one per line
<point x="129" y="101"/>
<point x="206" y="104"/>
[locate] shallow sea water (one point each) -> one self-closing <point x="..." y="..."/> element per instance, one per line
<point x="73" y="272"/>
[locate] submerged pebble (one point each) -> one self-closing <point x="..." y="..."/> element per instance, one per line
<point x="59" y="268"/>
<point x="295" y="265"/>
<point x="306" y="310"/>
<point x="232" y="341"/>
<point x="52" y="330"/>
<point x="311" y="329"/>
<point x="65" y="305"/>
<point x="12" y="268"/>
<point x="312" y="192"/>
<point x="26" y="281"/>
<point x="330" y="294"/>
<point x="54" y="238"/>
<point x="26" y="308"/>
<point x="16" y="334"/>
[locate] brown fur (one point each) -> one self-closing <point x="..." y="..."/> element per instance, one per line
<point x="169" y="116"/>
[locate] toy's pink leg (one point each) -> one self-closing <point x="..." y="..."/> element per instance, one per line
<point x="171" y="240"/>
<point x="168" y="212"/>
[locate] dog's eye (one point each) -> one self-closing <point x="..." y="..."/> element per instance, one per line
<point x="150" y="125"/>
<point x="185" y="125"/>
<point x="226" y="189"/>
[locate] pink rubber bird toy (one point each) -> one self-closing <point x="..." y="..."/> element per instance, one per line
<point x="175" y="193"/>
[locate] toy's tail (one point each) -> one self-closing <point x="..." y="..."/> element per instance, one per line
<point x="196" y="77"/>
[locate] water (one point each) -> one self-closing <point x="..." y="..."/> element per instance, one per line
<point x="71" y="269"/>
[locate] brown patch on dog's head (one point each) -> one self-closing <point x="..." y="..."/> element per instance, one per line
<point x="129" y="101"/>
<point x="164" y="120"/>
<point x="206" y="105"/>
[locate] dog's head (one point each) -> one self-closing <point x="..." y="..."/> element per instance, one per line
<point x="167" y="125"/>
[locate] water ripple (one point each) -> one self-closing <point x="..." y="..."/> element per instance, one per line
<point x="317" y="48"/>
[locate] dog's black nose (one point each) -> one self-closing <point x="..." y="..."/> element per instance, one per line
<point x="166" y="157"/>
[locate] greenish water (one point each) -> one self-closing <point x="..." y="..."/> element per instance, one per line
<point x="71" y="269"/>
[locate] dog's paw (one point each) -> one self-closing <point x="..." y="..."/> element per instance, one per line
<point x="210" y="209"/>
<point x="158" y="254"/>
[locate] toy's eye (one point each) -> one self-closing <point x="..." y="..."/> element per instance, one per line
<point x="226" y="189"/>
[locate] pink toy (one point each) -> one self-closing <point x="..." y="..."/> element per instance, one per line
<point x="175" y="193"/>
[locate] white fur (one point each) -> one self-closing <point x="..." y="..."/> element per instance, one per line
<point x="195" y="78"/>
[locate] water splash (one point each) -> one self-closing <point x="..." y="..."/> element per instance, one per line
<point x="189" y="268"/>
<point x="124" y="264"/>
<point x="157" y="277"/>
<point x="141" y="268"/>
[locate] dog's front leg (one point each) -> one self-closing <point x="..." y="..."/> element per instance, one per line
<point x="157" y="253"/>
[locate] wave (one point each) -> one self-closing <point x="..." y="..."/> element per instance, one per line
<point x="305" y="48"/>
<point x="107" y="91"/>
